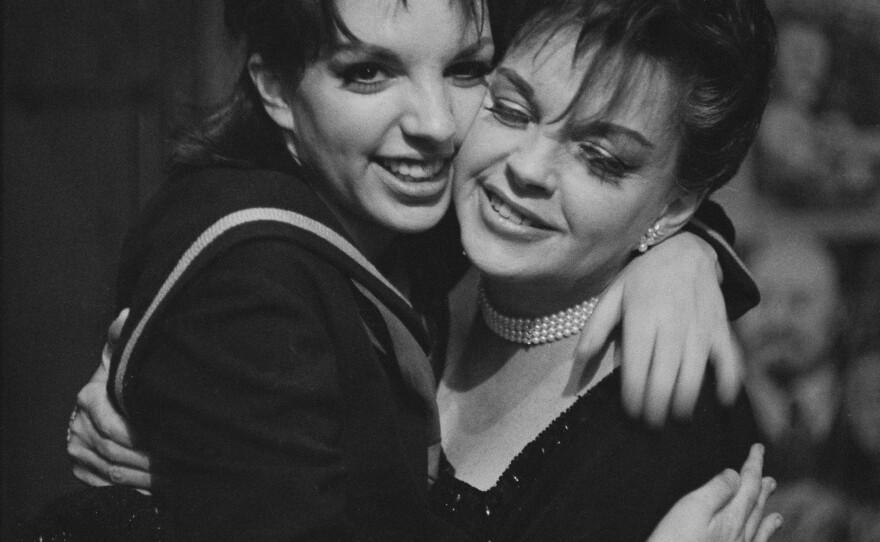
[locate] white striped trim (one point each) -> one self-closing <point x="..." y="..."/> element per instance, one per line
<point x="724" y="244"/>
<point x="232" y="220"/>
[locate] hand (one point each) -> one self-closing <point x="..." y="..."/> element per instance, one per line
<point x="669" y="304"/>
<point x="101" y="443"/>
<point x="729" y="508"/>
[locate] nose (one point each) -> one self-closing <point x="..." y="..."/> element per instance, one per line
<point x="429" y="116"/>
<point x="530" y="167"/>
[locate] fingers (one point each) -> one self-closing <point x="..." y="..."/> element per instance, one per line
<point x="92" y="469"/>
<point x="94" y="402"/>
<point x="601" y="324"/>
<point x="768" y="527"/>
<point x="690" y="380"/>
<point x="97" y="461"/>
<point x="662" y="377"/>
<point x="636" y="348"/>
<point x="102" y="442"/>
<point x="87" y="465"/>
<point x="750" y="486"/>
<point x="719" y="491"/>
<point x="768" y="485"/>
<point x="728" y="361"/>
<point x="115" y="330"/>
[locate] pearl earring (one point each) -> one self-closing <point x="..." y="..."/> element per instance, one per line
<point x="649" y="239"/>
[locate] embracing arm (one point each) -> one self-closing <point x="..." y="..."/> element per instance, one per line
<point x="101" y="443"/>
<point x="673" y="317"/>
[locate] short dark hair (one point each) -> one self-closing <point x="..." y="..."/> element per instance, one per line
<point x="721" y="54"/>
<point x="288" y="35"/>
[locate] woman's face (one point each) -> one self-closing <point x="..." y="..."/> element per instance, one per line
<point x="382" y="117"/>
<point x="561" y="203"/>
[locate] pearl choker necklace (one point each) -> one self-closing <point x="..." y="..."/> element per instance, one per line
<point x="544" y="329"/>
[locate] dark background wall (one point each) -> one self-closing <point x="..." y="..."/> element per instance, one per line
<point x="90" y="91"/>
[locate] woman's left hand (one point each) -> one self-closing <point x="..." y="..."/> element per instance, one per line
<point x="729" y="508"/>
<point x="669" y="305"/>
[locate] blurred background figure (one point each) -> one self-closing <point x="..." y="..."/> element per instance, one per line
<point x="858" y="468"/>
<point x="790" y="343"/>
<point x="810" y="153"/>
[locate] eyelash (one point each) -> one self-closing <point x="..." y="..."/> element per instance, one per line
<point x="465" y="74"/>
<point x="352" y="77"/>
<point x="602" y="163"/>
<point x="469" y="73"/>
<point x="508" y="116"/>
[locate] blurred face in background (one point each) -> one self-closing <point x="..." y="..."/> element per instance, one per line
<point x="804" y="57"/>
<point x="794" y="326"/>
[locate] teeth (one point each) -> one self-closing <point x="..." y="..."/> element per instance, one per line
<point x="506" y="212"/>
<point x="414" y="170"/>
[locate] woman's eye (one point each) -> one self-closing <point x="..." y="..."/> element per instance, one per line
<point x="509" y="113"/>
<point x="367" y="77"/>
<point x="469" y="73"/>
<point x="602" y="163"/>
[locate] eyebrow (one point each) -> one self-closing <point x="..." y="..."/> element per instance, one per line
<point x="366" y="50"/>
<point x="581" y="130"/>
<point x="517" y="81"/>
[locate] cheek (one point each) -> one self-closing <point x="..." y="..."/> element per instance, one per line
<point x="486" y="146"/>
<point x="465" y="104"/>
<point x="345" y="123"/>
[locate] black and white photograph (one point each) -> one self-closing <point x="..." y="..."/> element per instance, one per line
<point x="440" y="270"/>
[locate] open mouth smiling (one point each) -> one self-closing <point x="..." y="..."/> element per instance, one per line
<point x="512" y="213"/>
<point x="415" y="171"/>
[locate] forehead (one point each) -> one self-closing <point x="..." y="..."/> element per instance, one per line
<point x="414" y="27"/>
<point x="636" y="91"/>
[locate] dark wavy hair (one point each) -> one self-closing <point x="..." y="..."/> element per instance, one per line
<point x="721" y="54"/>
<point x="288" y="35"/>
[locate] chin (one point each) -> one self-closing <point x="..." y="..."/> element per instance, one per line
<point x="416" y="219"/>
<point x="493" y="260"/>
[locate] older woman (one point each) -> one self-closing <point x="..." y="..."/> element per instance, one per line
<point x="604" y="127"/>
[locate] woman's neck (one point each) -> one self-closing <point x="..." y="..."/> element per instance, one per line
<point x="530" y="299"/>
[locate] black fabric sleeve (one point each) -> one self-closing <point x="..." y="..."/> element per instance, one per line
<point x="239" y="401"/>
<point x="712" y="225"/>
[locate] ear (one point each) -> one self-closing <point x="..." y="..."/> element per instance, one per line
<point x="272" y="93"/>
<point x="679" y="210"/>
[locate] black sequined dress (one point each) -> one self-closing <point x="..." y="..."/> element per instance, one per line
<point x="594" y="474"/>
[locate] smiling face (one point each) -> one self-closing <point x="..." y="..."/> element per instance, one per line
<point x="555" y="201"/>
<point x="381" y="116"/>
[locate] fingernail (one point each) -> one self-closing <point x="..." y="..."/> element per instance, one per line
<point x="778" y="521"/>
<point x="760" y="448"/>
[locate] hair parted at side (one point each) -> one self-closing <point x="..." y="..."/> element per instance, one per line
<point x="288" y="35"/>
<point x="721" y="54"/>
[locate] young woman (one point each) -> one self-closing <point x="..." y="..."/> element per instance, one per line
<point x="606" y="122"/>
<point x="279" y="370"/>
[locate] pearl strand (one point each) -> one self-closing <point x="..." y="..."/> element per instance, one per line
<point x="543" y="329"/>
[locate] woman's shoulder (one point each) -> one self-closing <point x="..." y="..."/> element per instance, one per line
<point x="219" y="199"/>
